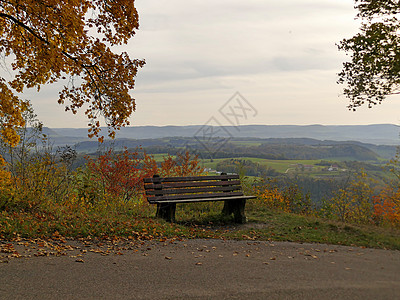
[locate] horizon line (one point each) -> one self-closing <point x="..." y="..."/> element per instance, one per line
<point x="199" y="125"/>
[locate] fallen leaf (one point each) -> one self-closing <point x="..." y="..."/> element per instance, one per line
<point x="168" y="257"/>
<point x="198" y="264"/>
<point x="79" y="260"/>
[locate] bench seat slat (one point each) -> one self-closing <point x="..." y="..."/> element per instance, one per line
<point x="160" y="199"/>
<point x="194" y="190"/>
<point x="190" y="184"/>
<point x="192" y="178"/>
<point x="206" y="199"/>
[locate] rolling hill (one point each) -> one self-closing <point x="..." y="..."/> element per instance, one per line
<point x="378" y="134"/>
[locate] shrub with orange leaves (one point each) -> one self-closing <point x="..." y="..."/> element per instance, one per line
<point x="183" y="165"/>
<point x="387" y="206"/>
<point x="119" y="176"/>
<point x="35" y="175"/>
<point x="288" y="199"/>
<point x="5" y="176"/>
<point x="273" y="198"/>
<point x="5" y="184"/>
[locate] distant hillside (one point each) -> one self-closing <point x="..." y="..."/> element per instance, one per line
<point x="254" y="147"/>
<point x="384" y="151"/>
<point x="344" y="151"/>
<point x="379" y="134"/>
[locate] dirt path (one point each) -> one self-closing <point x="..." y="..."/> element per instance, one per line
<point x="205" y="269"/>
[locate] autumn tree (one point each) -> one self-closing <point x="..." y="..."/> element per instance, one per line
<point x="373" y="72"/>
<point x="352" y="203"/>
<point x="51" y="40"/>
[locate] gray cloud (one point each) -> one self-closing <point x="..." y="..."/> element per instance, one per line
<point x="200" y="39"/>
<point x="281" y="55"/>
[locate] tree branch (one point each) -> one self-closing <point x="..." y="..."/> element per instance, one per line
<point x="36" y="35"/>
<point x="31" y="31"/>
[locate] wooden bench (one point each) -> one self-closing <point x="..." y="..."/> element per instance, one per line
<point x="167" y="192"/>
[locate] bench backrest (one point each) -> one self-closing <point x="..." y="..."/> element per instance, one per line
<point x="168" y="189"/>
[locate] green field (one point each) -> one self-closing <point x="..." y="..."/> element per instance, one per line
<point x="284" y="166"/>
<point x="159" y="157"/>
<point x="247" y="143"/>
<point x="279" y="165"/>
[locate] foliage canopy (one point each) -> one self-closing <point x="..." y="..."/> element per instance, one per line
<point x="52" y="40"/>
<point x="374" y="69"/>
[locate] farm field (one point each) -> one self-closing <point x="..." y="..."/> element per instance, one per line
<point x="309" y="167"/>
<point x="159" y="157"/>
<point x="281" y="166"/>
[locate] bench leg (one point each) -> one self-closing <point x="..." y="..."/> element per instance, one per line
<point x="166" y="211"/>
<point x="235" y="207"/>
<point x="228" y="208"/>
<point x="238" y="212"/>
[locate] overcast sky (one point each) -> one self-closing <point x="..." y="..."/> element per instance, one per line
<point x="279" y="55"/>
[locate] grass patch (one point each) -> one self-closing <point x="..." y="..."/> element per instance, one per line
<point x="280" y="226"/>
<point x="267" y="224"/>
<point x="201" y="220"/>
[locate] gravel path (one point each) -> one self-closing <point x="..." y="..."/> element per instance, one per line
<point x="201" y="269"/>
